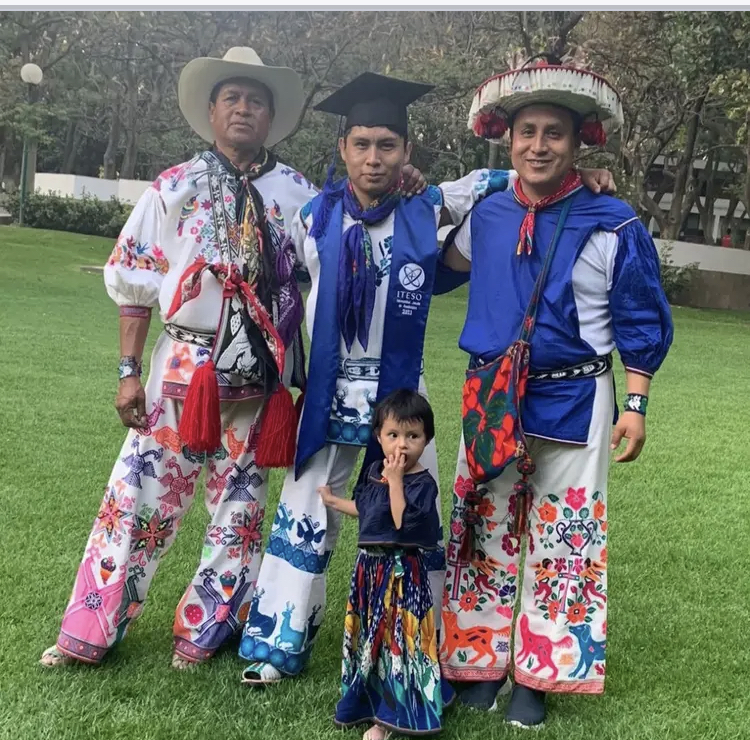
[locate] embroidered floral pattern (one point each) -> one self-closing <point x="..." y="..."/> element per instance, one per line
<point x="136" y="255"/>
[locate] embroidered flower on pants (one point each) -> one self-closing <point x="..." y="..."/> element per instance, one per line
<point x="547" y="513"/>
<point x="468" y="601"/>
<point x="575" y="498"/>
<point x="576" y="613"/>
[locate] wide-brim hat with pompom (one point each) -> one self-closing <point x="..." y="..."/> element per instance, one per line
<point x="200" y="76"/>
<point x="589" y="95"/>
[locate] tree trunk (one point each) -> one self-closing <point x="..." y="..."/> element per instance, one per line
<point x="683" y="174"/>
<point x="127" y="171"/>
<point x="72" y="141"/>
<point x="706" y="206"/>
<point x="110" y="155"/>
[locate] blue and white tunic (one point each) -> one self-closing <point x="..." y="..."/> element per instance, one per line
<point x="359" y="369"/>
<point x="603" y="292"/>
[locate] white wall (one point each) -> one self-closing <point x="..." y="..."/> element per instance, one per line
<point x="76" y="186"/>
<point x="712" y="259"/>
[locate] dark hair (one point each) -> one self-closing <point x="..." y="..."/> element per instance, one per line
<point x="405" y="405"/>
<point x="405" y="136"/>
<point x="242" y="81"/>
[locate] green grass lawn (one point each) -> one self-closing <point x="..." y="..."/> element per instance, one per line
<point x="678" y="653"/>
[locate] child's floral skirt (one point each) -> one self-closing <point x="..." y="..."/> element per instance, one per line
<point x="390" y="672"/>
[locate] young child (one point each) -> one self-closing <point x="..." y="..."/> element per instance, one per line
<point x="390" y="672"/>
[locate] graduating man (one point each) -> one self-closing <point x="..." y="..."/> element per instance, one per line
<point x="371" y="255"/>
<point x="576" y="275"/>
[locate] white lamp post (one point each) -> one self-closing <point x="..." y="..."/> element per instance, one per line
<point x="31" y="74"/>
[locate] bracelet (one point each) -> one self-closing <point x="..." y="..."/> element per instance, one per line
<point x="129" y="367"/>
<point x="636" y="402"/>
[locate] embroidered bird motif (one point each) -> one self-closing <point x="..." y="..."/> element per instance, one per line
<point x="187" y="211"/>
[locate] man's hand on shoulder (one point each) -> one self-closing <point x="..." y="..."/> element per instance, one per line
<point x="599" y="181"/>
<point x="414" y="181"/>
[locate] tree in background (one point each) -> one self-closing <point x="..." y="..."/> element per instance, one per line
<point x="110" y="88"/>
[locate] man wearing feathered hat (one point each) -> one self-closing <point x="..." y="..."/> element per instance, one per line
<point x="207" y="245"/>
<point x="559" y="279"/>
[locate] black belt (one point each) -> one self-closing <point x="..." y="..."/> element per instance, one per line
<point x="588" y="369"/>
<point x="200" y="338"/>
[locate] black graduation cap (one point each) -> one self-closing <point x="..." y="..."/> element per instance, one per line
<point x="374" y="100"/>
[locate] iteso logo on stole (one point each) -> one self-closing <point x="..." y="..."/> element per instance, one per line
<point x="411" y="276"/>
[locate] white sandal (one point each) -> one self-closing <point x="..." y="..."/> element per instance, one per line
<point x="265" y="672"/>
<point x="52" y="657"/>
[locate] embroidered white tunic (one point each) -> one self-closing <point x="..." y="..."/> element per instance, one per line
<point x="172" y="226"/>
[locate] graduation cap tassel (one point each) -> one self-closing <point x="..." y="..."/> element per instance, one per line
<point x="324" y="214"/>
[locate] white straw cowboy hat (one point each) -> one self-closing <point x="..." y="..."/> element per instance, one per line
<point x="200" y="76"/>
<point x="586" y="93"/>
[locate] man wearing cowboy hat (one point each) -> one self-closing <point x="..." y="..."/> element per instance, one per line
<point x="207" y="244"/>
<point x="595" y="271"/>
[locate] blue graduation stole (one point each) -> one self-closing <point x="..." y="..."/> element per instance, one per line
<point x="413" y="261"/>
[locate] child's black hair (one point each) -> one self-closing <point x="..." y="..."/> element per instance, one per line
<point x="405" y="405"/>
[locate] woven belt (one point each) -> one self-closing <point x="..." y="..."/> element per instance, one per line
<point x="589" y="369"/>
<point x="200" y="338"/>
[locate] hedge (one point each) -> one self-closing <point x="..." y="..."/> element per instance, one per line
<point x="86" y="215"/>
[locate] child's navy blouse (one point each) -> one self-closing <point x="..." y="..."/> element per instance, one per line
<point x="420" y="525"/>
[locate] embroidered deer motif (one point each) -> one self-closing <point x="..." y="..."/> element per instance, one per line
<point x="168" y="437"/>
<point x="372" y="402"/>
<point x="591" y="650"/>
<point x="152" y="417"/>
<point x="260" y="625"/>
<point x="291" y="639"/>
<point x="479" y="639"/>
<point x="236" y="446"/>
<point x="342" y="411"/>
<point x="312" y="628"/>
<point x="539" y="647"/>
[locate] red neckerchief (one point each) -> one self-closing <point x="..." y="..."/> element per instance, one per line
<point x="571" y="182"/>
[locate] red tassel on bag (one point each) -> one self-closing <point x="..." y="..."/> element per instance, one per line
<point x="278" y="431"/>
<point x="466" y="551"/>
<point x="200" y="425"/>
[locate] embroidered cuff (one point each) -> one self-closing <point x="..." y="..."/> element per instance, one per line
<point x="638" y="371"/>
<point x="636" y="402"/>
<point x="135" y="312"/>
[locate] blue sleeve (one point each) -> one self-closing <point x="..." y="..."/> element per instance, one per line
<point x="641" y="317"/>
<point x="497" y="182"/>
<point x="421" y="502"/>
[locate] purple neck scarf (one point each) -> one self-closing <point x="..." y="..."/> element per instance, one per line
<point x="357" y="270"/>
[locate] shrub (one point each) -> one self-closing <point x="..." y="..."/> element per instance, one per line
<point x="86" y="215"/>
<point x="675" y="279"/>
